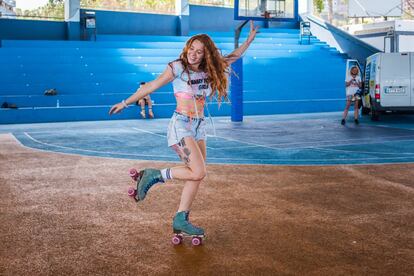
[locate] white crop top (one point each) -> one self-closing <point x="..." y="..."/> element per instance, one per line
<point x="181" y="83"/>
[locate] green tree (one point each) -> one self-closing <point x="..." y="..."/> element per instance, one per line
<point x="159" y="6"/>
<point x="54" y="9"/>
<point x="225" y="3"/>
<point x="318" y="4"/>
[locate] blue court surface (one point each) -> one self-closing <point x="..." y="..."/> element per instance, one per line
<point x="294" y="139"/>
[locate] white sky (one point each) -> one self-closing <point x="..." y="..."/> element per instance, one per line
<point x="30" y="4"/>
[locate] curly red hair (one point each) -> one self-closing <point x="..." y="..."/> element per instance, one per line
<point x="213" y="63"/>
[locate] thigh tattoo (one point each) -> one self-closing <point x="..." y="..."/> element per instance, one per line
<point x="185" y="152"/>
<point x="182" y="143"/>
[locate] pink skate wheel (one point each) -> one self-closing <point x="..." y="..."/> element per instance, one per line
<point x="132" y="191"/>
<point x="133" y="172"/>
<point x="176" y="240"/>
<point x="196" y="241"/>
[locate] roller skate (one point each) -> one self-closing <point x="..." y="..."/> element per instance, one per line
<point x="145" y="179"/>
<point x="183" y="228"/>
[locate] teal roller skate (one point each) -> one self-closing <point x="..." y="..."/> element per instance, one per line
<point x="145" y="180"/>
<point x="183" y="228"/>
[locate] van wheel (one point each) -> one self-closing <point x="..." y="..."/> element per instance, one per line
<point x="374" y="115"/>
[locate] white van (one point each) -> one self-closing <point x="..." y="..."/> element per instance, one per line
<point x="389" y="83"/>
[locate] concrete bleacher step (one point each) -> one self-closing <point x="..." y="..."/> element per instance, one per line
<point x="68" y="88"/>
<point x="95" y="71"/>
<point x="260" y="84"/>
<point x="65" y="78"/>
<point x="252" y="92"/>
<point x="37" y="83"/>
<point x="100" y="112"/>
<point x="63" y="100"/>
<point x="134" y="64"/>
<point x="69" y="113"/>
<point x="7" y="44"/>
<point x="22" y="53"/>
<point x="244" y="33"/>
<point x="292" y="106"/>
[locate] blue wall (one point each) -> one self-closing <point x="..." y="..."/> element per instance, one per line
<point x="129" y="23"/>
<point x="32" y="29"/>
<point x="110" y="22"/>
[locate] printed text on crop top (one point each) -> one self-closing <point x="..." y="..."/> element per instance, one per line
<point x="190" y="98"/>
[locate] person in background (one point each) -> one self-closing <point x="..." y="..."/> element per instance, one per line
<point x="143" y="102"/>
<point x="353" y="86"/>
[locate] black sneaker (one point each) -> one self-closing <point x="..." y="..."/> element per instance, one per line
<point x="343" y="122"/>
<point x="356" y="121"/>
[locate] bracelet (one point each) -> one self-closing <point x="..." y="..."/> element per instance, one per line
<point x="124" y="104"/>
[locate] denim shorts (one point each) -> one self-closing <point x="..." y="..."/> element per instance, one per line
<point x="183" y="126"/>
<point x="353" y="97"/>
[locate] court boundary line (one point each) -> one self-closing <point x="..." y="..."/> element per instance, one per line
<point x="86" y="150"/>
<point x="252" y="145"/>
<point x="229" y="160"/>
<point x="227" y="163"/>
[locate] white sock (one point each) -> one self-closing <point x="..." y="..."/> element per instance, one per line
<point x="166" y="174"/>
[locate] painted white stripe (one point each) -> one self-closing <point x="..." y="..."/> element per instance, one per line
<point x="242" y="142"/>
<point x="95" y="151"/>
<point x="149" y="132"/>
<point x="367" y="152"/>
<point x="289" y="101"/>
<point x="302" y="145"/>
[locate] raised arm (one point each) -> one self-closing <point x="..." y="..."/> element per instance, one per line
<point x="166" y="77"/>
<point x="237" y="53"/>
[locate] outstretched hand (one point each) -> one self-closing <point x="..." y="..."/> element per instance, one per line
<point x="253" y="31"/>
<point x="116" y="108"/>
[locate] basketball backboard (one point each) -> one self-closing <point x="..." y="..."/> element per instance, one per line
<point x="266" y="10"/>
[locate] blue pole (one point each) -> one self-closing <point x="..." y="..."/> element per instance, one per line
<point x="237" y="91"/>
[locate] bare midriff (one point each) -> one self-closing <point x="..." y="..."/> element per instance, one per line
<point x="189" y="106"/>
